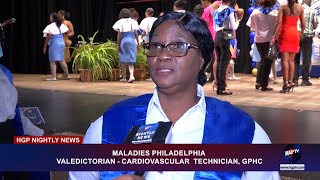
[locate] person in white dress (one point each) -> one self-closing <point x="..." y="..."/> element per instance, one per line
<point x="146" y="24"/>
<point x="128" y="42"/>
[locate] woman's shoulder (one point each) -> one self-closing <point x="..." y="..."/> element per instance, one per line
<point x="64" y="26"/>
<point x="283" y="6"/>
<point x="214" y="6"/>
<point x="255" y="12"/>
<point x="120" y="21"/>
<point x="301" y="7"/>
<point x="67" y="23"/>
<point x="225" y="106"/>
<point x="129" y="105"/>
<point x="49" y="26"/>
<point x="274" y="12"/>
<point x="125" y="20"/>
<point x="133" y="21"/>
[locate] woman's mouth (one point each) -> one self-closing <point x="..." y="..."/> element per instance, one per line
<point x="164" y="70"/>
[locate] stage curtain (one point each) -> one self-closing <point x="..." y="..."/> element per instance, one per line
<point x="24" y="54"/>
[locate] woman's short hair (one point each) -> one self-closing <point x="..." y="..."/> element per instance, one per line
<point x="150" y="11"/>
<point x="124" y="13"/>
<point x="198" y="28"/>
<point x="135" y="15"/>
<point x="180" y="4"/>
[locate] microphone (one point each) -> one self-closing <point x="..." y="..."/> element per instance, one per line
<point x="148" y="134"/>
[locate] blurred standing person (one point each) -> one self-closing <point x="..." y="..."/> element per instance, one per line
<point x="54" y="38"/>
<point x="262" y="21"/>
<point x="67" y="36"/>
<point x="146" y="24"/>
<point x="214" y="6"/>
<point x="2" y="35"/>
<point x="198" y="10"/>
<point x="311" y="23"/>
<point x="135" y="16"/>
<point x="207" y="17"/>
<point x="225" y="25"/>
<point x="180" y="6"/>
<point x="234" y="42"/>
<point x="127" y="37"/>
<point x="288" y="37"/>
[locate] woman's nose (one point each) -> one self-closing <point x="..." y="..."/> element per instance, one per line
<point x="164" y="55"/>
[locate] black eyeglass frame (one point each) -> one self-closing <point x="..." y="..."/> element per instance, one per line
<point x="167" y="46"/>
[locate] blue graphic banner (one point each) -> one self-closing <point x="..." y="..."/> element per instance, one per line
<point x="159" y="157"/>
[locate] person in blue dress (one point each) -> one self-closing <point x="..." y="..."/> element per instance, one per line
<point x="54" y="38"/>
<point x="177" y="57"/>
<point x="128" y="42"/>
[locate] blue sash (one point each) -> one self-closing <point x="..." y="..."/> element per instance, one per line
<point x="269" y="9"/>
<point x="224" y="124"/>
<point x="220" y="17"/>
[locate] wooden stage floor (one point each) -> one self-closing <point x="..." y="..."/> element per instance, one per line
<point x="244" y="93"/>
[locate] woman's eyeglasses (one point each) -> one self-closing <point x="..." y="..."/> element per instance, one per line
<point x="175" y="49"/>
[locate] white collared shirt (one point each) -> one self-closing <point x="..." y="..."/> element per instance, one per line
<point x="187" y="130"/>
<point x="146" y="24"/>
<point x="263" y="25"/>
<point x="53" y="29"/>
<point x="125" y="25"/>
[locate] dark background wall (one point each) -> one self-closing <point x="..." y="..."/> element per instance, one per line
<point x="24" y="54"/>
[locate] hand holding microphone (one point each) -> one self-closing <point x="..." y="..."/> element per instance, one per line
<point x="148" y="134"/>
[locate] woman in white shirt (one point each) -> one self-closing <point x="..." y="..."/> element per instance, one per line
<point x="54" y="38"/>
<point x="128" y="42"/>
<point x="262" y="21"/>
<point x="146" y="24"/>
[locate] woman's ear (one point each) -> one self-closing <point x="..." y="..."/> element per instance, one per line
<point x="202" y="63"/>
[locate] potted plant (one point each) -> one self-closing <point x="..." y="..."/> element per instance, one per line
<point x="141" y="67"/>
<point x="112" y="49"/>
<point x="93" y="60"/>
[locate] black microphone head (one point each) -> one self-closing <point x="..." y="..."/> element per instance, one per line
<point x="148" y="134"/>
<point x="131" y="134"/>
